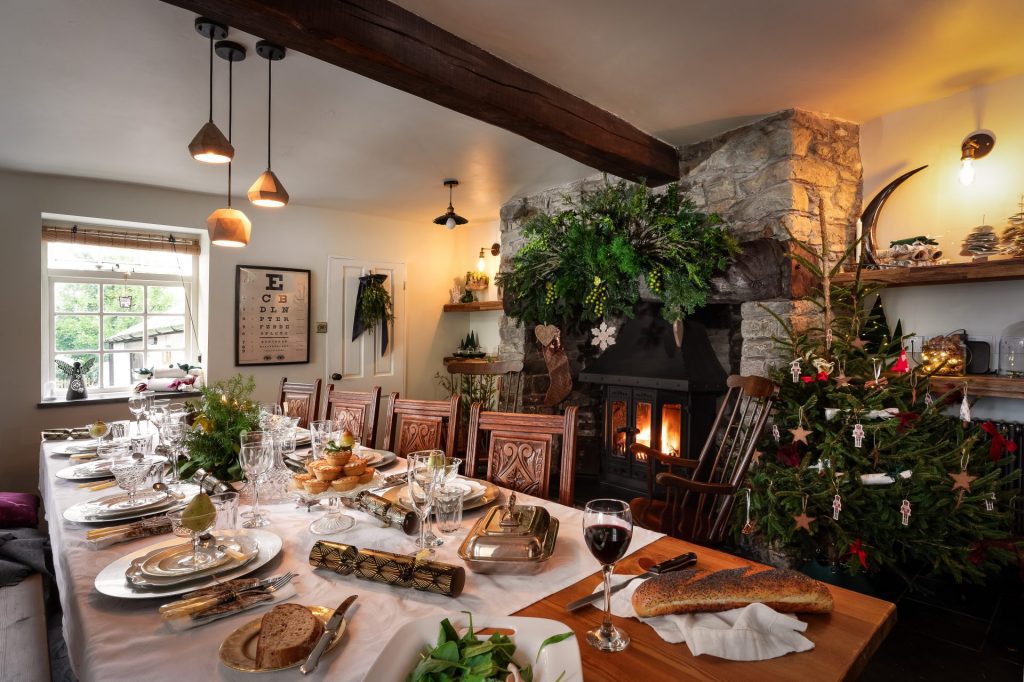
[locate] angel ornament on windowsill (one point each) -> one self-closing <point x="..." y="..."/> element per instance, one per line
<point x="75" y="374"/>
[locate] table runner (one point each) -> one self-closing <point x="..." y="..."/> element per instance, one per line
<point x="114" y="639"/>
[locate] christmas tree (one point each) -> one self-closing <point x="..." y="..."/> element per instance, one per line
<point x="861" y="467"/>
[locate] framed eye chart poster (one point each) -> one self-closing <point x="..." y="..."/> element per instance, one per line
<point x="271" y="315"/>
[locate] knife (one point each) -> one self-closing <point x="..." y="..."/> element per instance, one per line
<point x="329" y="632"/>
<point x="667" y="566"/>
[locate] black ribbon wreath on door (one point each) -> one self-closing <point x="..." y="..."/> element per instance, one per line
<point x="373" y="308"/>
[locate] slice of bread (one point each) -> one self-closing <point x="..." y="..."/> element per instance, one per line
<point x="696" y="591"/>
<point x="288" y="632"/>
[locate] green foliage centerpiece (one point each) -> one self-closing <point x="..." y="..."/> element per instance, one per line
<point x="224" y="412"/>
<point x="586" y="262"/>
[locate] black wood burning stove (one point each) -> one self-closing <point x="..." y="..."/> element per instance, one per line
<point x="655" y="394"/>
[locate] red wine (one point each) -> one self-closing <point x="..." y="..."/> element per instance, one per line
<point x="606" y="542"/>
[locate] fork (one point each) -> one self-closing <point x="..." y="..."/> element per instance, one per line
<point x="197" y="605"/>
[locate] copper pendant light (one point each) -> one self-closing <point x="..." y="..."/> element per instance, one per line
<point x="267" y="190"/>
<point x="229" y="226"/>
<point x="450" y="218"/>
<point x="209" y="145"/>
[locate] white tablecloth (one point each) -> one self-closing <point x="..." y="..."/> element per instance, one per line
<point x="114" y="639"/>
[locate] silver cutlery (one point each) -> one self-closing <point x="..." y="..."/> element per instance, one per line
<point x="325" y="639"/>
<point x="197" y="605"/>
<point x="667" y="566"/>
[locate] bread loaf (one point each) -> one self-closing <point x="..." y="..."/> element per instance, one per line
<point x="697" y="591"/>
<point x="288" y="632"/>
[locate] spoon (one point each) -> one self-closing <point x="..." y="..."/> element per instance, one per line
<point x="161" y="487"/>
<point x="206" y="540"/>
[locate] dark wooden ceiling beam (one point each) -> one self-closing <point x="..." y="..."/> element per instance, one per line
<point x="391" y="45"/>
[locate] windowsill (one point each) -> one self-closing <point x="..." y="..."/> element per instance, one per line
<point x="112" y="398"/>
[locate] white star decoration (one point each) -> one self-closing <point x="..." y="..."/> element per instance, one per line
<point x="604" y="336"/>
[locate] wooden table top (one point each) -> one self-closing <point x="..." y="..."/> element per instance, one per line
<point x="844" y="640"/>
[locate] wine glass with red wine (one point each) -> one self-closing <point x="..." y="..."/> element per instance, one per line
<point x="607" y="529"/>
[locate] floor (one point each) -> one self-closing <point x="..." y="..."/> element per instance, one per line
<point x="954" y="633"/>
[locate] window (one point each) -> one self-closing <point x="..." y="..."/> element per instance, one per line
<point x="118" y="302"/>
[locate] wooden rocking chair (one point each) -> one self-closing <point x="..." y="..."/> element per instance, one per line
<point x="697" y="508"/>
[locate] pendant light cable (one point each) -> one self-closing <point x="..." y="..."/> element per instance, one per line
<point x="231" y="94"/>
<point x="211" y="75"/>
<point x="270" y="86"/>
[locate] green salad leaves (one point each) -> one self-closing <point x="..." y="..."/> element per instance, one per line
<point x="471" y="659"/>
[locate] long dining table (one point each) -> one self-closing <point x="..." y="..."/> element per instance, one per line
<point x="118" y="639"/>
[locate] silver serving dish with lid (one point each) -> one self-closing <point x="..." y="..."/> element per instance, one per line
<point x="511" y="539"/>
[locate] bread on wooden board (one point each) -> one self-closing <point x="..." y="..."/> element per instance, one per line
<point x="698" y="590"/>
<point x="288" y="632"/>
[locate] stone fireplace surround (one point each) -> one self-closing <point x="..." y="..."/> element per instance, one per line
<point x="765" y="180"/>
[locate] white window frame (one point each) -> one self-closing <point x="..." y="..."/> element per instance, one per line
<point x="188" y="282"/>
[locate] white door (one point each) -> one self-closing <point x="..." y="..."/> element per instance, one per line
<point x="359" y="365"/>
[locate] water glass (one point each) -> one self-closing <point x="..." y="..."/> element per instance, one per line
<point x="256" y="458"/>
<point x="142" y="444"/>
<point x="174" y="432"/>
<point x="319" y="434"/>
<point x="137" y="405"/>
<point x="226" y="505"/>
<point x="448" y="509"/>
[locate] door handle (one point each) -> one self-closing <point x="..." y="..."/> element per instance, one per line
<point x="335" y="377"/>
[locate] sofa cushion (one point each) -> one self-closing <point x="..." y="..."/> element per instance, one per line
<point x="19" y="510"/>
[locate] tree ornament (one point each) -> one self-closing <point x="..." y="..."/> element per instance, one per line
<point x="824" y="367"/>
<point x="842" y="381"/>
<point x="858" y="343"/>
<point x="858" y="435"/>
<point x="998" y="443"/>
<point x="755" y="458"/>
<point x="775" y="432"/>
<point x="928" y="399"/>
<point x="800" y="433"/>
<point x="794" y="370"/>
<point x="905" y="512"/>
<point x="802" y="520"/>
<point x="749" y="526"/>
<point x="828" y="339"/>
<point x="837" y="506"/>
<point x="902" y="365"/>
<point x="965" y="409"/>
<point x="913" y="388"/>
<point x="604" y="336"/>
<point x="877" y="364"/>
<point x="962" y="481"/>
<point x="990" y="502"/>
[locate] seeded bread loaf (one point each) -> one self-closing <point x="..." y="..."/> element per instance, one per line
<point x="697" y="591"/>
<point x="288" y="632"/>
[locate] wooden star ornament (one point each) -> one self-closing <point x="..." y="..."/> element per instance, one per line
<point x="756" y="457"/>
<point x="842" y="381"/>
<point x="803" y="521"/>
<point x="800" y="434"/>
<point x="858" y="343"/>
<point x="962" y="480"/>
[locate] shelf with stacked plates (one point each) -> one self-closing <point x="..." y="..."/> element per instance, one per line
<point x="954" y="273"/>
<point x="981" y="385"/>
<point x="474" y="307"/>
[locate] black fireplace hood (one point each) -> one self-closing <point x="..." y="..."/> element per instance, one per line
<point x="645" y="355"/>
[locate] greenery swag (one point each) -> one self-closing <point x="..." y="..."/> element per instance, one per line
<point x="375" y="306"/>
<point x="584" y="263"/>
<point x="224" y="412"/>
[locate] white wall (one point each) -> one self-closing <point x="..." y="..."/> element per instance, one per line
<point x="933" y="202"/>
<point x="295" y="236"/>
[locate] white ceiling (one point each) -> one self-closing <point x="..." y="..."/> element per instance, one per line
<point x="115" y="89"/>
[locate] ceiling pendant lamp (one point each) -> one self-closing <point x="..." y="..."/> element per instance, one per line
<point x="209" y="145"/>
<point x="267" y="190"/>
<point x="229" y="226"/>
<point x="450" y="218"/>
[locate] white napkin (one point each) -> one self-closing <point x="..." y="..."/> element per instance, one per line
<point x="752" y="633"/>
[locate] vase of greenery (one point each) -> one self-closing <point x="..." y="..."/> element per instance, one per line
<point x="225" y="410"/>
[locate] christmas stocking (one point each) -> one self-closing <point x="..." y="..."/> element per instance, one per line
<point x="549" y="337"/>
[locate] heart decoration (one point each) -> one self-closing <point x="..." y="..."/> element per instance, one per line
<point x="547" y="334"/>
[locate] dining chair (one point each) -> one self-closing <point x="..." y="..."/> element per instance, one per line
<point x="470" y="376"/>
<point x="300" y="399"/>
<point x="697" y="507"/>
<point x="356" y="411"/>
<point x="412" y="425"/>
<point x="520" y="449"/>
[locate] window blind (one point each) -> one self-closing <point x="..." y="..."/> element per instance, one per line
<point x="124" y="239"/>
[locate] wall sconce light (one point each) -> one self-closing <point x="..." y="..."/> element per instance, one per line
<point x="480" y="262"/>
<point x="975" y="146"/>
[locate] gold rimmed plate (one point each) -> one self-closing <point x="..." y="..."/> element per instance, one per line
<point x="238" y="651"/>
<point x="400" y="495"/>
<point x="166" y="563"/>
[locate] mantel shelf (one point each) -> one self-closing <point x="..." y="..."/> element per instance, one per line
<point x="981" y="385"/>
<point x="955" y="273"/>
<point x="475" y="307"/>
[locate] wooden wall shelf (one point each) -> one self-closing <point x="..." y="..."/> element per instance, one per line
<point x="981" y="385"/>
<point x="955" y="273"/>
<point x="475" y="307"/>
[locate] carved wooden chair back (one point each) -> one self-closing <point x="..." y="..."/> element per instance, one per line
<point x="413" y="425"/>
<point x="356" y="411"/>
<point x="520" y="449"/>
<point x="300" y="399"/>
<point x="507" y="376"/>
<point x="697" y="507"/>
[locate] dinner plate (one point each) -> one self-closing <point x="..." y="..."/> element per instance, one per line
<point x="376" y="458"/>
<point x="238" y="650"/>
<point x="491" y="492"/>
<point x="111" y="581"/>
<point x="400" y="656"/>
<point x="91" y="471"/>
<point x="248" y="546"/>
<point x="89" y="448"/>
<point x="118" y="503"/>
<point x="471" y="491"/>
<point x="84" y="512"/>
<point x="164" y="563"/>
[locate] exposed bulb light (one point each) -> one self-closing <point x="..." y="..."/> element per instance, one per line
<point x="967" y="171"/>
<point x="450" y="219"/>
<point x="975" y="146"/>
<point x="268" y="191"/>
<point x="210" y="145"/>
<point x="480" y="263"/>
